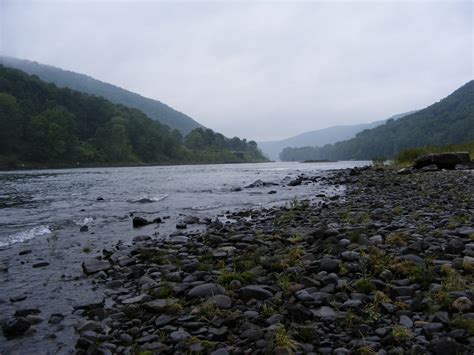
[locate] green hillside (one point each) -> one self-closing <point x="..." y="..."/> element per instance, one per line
<point x="42" y="125"/>
<point x="83" y="83"/>
<point x="449" y="121"/>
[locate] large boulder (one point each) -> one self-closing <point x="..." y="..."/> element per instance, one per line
<point x="442" y="160"/>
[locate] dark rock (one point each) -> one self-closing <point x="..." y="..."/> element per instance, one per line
<point x="442" y="160"/>
<point x="181" y="226"/>
<point x="455" y="246"/>
<point x="141" y="238"/>
<point x="295" y="182"/>
<point x="41" y="264"/>
<point x="446" y="346"/>
<point x="329" y="265"/>
<point x="15" y="327"/>
<point x="298" y="313"/>
<point x="24" y="252"/>
<point x="84" y="229"/>
<point x="26" y="312"/>
<point x="140" y="222"/>
<point x="191" y="220"/>
<point x="254" y="291"/>
<point x="17" y="299"/>
<point x="206" y="290"/>
<point x="100" y="198"/>
<point x="260" y="183"/>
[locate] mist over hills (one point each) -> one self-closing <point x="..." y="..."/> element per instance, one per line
<point x="449" y="121"/>
<point x="86" y="84"/>
<point x="42" y="125"/>
<point x="319" y="137"/>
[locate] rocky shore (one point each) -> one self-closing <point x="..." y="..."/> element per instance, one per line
<point x="387" y="268"/>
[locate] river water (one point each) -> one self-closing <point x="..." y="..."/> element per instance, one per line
<point x="42" y="211"/>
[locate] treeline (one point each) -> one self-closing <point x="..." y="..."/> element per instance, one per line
<point x="43" y="125"/>
<point x="448" y="121"/>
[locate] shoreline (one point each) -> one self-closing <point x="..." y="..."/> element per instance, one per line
<point x="388" y="266"/>
<point x="118" y="165"/>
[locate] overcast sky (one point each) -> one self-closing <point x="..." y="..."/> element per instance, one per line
<point x="261" y="70"/>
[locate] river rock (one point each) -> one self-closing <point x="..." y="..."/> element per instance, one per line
<point x="206" y="290"/>
<point x="15" y="327"/>
<point x="254" y="291"/>
<point x="139" y="222"/>
<point x="93" y="266"/>
<point x="462" y="304"/>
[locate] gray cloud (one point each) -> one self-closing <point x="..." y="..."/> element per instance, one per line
<point x="259" y="70"/>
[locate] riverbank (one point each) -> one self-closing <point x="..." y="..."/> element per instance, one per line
<point x="390" y="266"/>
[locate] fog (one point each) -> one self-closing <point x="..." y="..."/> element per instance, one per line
<point x="261" y="70"/>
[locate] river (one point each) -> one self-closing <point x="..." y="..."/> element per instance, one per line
<point x="42" y="211"/>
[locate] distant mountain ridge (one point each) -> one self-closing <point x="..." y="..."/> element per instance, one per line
<point x="320" y="137"/>
<point x="62" y="78"/>
<point x="448" y="121"/>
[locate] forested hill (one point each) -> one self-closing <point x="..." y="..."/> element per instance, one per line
<point x="449" y="121"/>
<point x="319" y="137"/>
<point x="42" y="125"/>
<point x="83" y="83"/>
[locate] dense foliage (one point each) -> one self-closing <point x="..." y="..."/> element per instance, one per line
<point x="449" y="121"/>
<point x="83" y="83"/>
<point x="407" y="156"/>
<point x="42" y="125"/>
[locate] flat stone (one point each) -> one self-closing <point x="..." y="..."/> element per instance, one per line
<point x="326" y="312"/>
<point x="206" y="290"/>
<point x="161" y="303"/>
<point x="137" y="299"/>
<point x="179" y="336"/>
<point x="93" y="266"/>
<point x="254" y="291"/>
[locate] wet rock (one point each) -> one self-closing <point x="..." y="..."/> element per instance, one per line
<point x="15" y="327"/>
<point x="254" y="291"/>
<point x="181" y="225"/>
<point x="17" y="299"/>
<point x="26" y="312"/>
<point x="93" y="266"/>
<point x="84" y="229"/>
<point x="40" y="264"/>
<point x="140" y="222"/>
<point x="141" y="238"/>
<point x="56" y="318"/>
<point x="191" y="220"/>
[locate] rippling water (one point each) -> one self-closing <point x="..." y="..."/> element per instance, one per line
<point x="34" y="203"/>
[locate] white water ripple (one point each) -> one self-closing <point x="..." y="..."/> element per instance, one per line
<point x="24" y="236"/>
